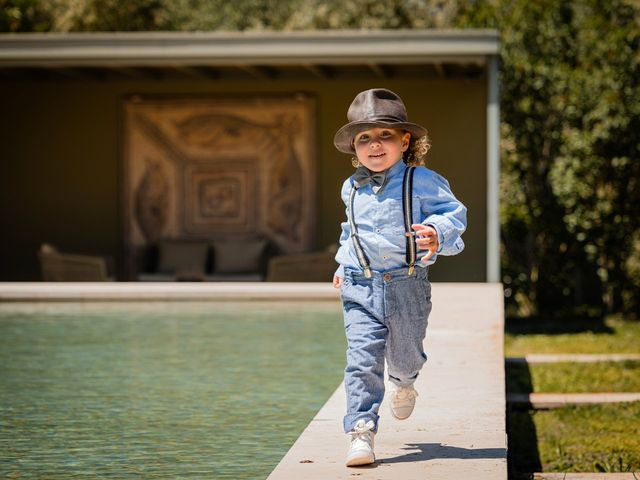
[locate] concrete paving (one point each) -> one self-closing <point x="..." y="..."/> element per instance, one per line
<point x="574" y="358"/>
<point x="458" y="428"/>
<point x="558" y="400"/>
<point x="587" y="476"/>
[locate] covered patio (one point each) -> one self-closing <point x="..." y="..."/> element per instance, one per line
<point x="65" y="128"/>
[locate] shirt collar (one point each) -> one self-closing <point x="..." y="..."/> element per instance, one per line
<point x="397" y="168"/>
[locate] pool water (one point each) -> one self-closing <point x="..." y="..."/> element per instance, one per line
<point x="161" y="390"/>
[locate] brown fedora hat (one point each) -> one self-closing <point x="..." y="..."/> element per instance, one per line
<point x="374" y="108"/>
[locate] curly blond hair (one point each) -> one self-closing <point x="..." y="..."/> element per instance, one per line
<point x="415" y="154"/>
<point x="418" y="149"/>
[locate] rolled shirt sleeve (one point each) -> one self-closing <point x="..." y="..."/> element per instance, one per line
<point x="443" y="211"/>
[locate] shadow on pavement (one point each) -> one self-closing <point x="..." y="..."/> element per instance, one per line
<point x="549" y="326"/>
<point x="422" y="452"/>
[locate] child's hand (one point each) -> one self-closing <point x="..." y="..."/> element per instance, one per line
<point x="427" y="239"/>
<point x="337" y="281"/>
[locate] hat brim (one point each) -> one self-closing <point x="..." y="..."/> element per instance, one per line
<point x="343" y="139"/>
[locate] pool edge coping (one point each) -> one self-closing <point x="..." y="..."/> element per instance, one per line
<point x="171" y="291"/>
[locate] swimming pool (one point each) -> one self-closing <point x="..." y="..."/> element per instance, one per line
<point x="161" y="389"/>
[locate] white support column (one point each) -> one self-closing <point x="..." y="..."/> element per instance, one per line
<point x="493" y="171"/>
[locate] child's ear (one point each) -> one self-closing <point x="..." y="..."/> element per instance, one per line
<point x="405" y="141"/>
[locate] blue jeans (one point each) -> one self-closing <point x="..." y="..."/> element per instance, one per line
<point x="385" y="317"/>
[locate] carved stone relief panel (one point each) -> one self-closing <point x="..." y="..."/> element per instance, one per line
<point x="216" y="168"/>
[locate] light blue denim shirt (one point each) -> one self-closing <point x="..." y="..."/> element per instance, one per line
<point x="380" y="220"/>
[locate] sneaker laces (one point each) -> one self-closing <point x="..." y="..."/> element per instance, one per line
<point x="405" y="393"/>
<point x="362" y="430"/>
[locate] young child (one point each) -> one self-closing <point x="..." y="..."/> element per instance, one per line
<point x="385" y="291"/>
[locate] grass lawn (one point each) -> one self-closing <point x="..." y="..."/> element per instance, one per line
<point x="595" y="438"/>
<point x="599" y="438"/>
<point x="574" y="377"/>
<point x="613" y="335"/>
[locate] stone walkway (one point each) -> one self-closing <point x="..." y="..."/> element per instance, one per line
<point x="587" y="476"/>
<point x="558" y="400"/>
<point x="458" y="428"/>
<point x="533" y="358"/>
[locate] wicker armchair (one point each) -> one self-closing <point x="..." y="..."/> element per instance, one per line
<point x="63" y="267"/>
<point x="303" y="267"/>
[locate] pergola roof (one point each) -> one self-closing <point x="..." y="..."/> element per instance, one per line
<point x="328" y="53"/>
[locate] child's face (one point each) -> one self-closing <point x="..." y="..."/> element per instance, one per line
<point x="380" y="148"/>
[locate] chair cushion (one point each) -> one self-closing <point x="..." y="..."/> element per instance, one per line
<point x="182" y="256"/>
<point x="241" y="256"/>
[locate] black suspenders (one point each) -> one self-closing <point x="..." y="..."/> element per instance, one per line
<point x="362" y="258"/>
<point x="407" y="210"/>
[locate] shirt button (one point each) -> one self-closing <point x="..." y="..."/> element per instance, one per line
<point x="387" y="277"/>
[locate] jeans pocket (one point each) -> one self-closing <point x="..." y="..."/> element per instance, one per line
<point x="419" y="298"/>
<point x="427" y="289"/>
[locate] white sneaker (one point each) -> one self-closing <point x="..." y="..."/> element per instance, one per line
<point x="402" y="401"/>
<point x="361" y="449"/>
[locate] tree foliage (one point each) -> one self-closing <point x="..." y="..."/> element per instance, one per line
<point x="26" y="16"/>
<point x="570" y="107"/>
<point x="225" y="15"/>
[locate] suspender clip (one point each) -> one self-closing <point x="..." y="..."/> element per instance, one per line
<point x="411" y="270"/>
<point x="367" y="272"/>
